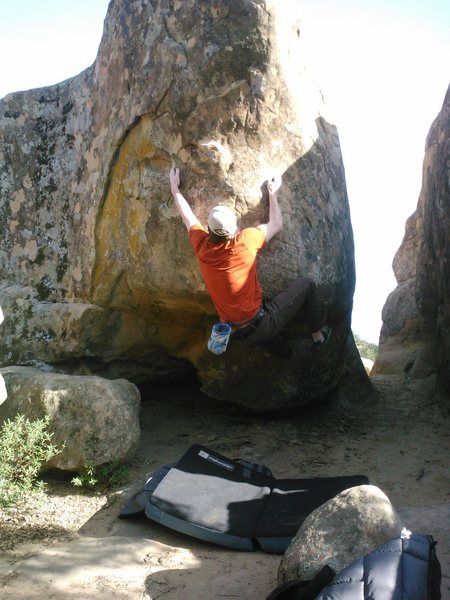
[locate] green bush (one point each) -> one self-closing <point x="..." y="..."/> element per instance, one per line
<point x="366" y="349"/>
<point x="104" y="476"/>
<point x="25" y="446"/>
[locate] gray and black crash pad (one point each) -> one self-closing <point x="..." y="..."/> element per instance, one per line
<point x="233" y="503"/>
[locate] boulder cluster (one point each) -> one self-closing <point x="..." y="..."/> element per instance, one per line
<point x="100" y="289"/>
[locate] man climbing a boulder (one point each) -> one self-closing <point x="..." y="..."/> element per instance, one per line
<point x="227" y="259"/>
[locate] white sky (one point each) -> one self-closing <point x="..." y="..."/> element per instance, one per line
<point x="383" y="70"/>
<point x="380" y="63"/>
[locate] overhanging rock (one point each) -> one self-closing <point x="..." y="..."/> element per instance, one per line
<point x="222" y="91"/>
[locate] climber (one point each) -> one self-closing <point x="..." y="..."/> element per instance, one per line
<point x="227" y="258"/>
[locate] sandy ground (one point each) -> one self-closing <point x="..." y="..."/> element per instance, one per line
<point x="400" y="439"/>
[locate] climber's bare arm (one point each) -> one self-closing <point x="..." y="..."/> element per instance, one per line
<point x="275" y="223"/>
<point x="189" y="219"/>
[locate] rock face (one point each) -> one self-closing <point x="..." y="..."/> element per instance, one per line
<point x="3" y="392"/>
<point x="95" y="264"/>
<point x="97" y="420"/>
<point x="415" y="337"/>
<point x="348" y="526"/>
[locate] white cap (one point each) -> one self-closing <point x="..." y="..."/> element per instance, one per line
<point x="222" y="221"/>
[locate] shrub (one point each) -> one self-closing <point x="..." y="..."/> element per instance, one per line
<point x="366" y="349"/>
<point x="25" y="446"/>
<point x="104" y="476"/>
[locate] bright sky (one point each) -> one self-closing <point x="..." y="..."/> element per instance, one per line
<point x="381" y="65"/>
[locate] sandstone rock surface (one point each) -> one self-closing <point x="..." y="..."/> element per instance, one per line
<point x="345" y="528"/>
<point x="3" y="392"/>
<point x="95" y="265"/>
<point x="415" y="337"/>
<point x="97" y="420"/>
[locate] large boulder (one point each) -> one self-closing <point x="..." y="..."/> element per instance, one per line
<point x="95" y="262"/>
<point x="3" y="392"/>
<point x="348" y="526"/>
<point x="415" y="337"/>
<point x="96" y="419"/>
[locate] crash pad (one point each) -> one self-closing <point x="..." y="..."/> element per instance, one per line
<point x="232" y="502"/>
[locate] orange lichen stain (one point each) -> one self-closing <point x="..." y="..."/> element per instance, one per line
<point x="119" y="228"/>
<point x="126" y="275"/>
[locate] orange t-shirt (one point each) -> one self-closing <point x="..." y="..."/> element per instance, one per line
<point x="229" y="271"/>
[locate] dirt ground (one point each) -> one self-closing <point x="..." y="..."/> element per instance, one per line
<point x="74" y="546"/>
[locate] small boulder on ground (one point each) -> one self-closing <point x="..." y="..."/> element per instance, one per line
<point x="345" y="528"/>
<point x="96" y="419"/>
